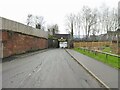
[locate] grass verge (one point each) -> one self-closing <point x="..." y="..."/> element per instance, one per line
<point x="110" y="60"/>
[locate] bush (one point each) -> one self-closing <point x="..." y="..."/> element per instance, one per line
<point x="107" y="45"/>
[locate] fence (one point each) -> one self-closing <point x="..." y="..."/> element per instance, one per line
<point x="98" y="45"/>
<point x="111" y="59"/>
<point x="97" y="51"/>
<point x="91" y="44"/>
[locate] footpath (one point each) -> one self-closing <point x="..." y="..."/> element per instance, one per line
<point x="108" y="75"/>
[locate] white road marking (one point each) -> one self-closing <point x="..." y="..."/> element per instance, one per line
<point x="30" y="74"/>
<point x="38" y="70"/>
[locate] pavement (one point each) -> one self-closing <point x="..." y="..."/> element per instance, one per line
<point x="107" y="74"/>
<point x="50" y="69"/>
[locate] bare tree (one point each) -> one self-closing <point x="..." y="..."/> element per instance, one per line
<point x="105" y="19"/>
<point x="93" y="21"/>
<point x="78" y="23"/>
<point x="29" y="19"/>
<point x="114" y="20"/>
<point x="94" y="24"/>
<point x="70" y="22"/>
<point x="109" y="19"/>
<point x="39" y="22"/>
<point x="89" y="19"/>
<point x="53" y="29"/>
<point x="35" y="21"/>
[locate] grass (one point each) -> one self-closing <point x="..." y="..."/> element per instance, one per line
<point x="110" y="60"/>
<point x="107" y="49"/>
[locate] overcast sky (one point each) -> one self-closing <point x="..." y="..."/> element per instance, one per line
<point x="54" y="11"/>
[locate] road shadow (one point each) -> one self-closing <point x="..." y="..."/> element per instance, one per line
<point x="22" y="55"/>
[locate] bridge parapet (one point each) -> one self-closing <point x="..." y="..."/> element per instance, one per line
<point x="10" y="25"/>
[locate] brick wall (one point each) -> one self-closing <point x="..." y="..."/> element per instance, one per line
<point x="16" y="43"/>
<point x="16" y="38"/>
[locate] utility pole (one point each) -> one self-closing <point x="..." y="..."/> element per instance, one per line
<point x="72" y="29"/>
<point x="71" y="43"/>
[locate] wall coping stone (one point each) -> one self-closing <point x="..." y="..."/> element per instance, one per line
<point x="9" y="25"/>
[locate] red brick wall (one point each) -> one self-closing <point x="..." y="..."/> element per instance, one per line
<point x="16" y="43"/>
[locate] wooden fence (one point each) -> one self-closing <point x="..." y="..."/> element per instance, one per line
<point x="91" y="44"/>
<point x="98" y="45"/>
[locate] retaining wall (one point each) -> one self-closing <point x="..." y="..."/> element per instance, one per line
<point x="18" y="38"/>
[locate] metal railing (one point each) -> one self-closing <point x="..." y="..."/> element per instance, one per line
<point x="98" y="51"/>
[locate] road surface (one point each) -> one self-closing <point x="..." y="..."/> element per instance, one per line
<point x="50" y="69"/>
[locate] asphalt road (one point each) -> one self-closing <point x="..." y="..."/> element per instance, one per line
<point x="50" y="69"/>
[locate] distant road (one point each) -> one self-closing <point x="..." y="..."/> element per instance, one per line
<point x="50" y="69"/>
